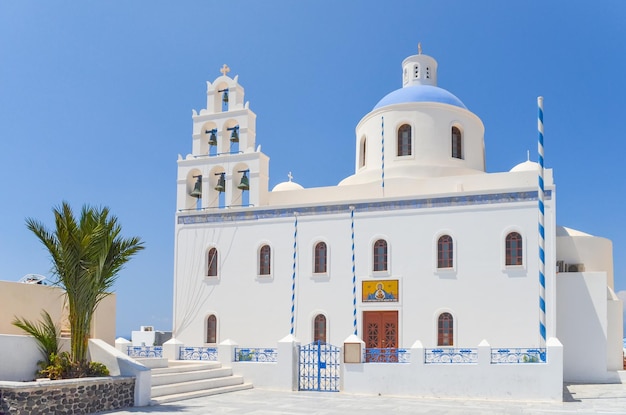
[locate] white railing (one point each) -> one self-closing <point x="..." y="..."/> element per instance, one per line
<point x="445" y="356"/>
<point x="387" y="355"/>
<point x="254" y="354"/>
<point x="518" y="356"/>
<point x="198" y="353"/>
<point x="145" y="351"/>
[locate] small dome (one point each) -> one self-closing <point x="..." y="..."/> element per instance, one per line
<point x="563" y="231"/>
<point x="420" y="93"/>
<point x="526" y="166"/>
<point x="284" y="186"/>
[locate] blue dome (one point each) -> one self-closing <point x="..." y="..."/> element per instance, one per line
<point x="420" y="93"/>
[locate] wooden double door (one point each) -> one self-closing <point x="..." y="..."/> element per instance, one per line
<point x="380" y="329"/>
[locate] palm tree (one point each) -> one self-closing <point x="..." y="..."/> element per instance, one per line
<point x="87" y="255"/>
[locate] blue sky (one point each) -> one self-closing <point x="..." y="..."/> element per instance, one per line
<point x="96" y="100"/>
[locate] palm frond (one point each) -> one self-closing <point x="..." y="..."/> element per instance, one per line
<point x="45" y="332"/>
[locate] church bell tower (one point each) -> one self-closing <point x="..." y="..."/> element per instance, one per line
<point x="224" y="169"/>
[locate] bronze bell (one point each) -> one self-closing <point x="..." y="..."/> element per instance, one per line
<point x="245" y="183"/>
<point x="225" y="97"/>
<point x="197" y="188"/>
<point x="234" y="136"/>
<point x="212" y="138"/>
<point x="221" y="183"/>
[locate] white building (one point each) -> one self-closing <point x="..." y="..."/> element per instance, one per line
<point x="420" y="244"/>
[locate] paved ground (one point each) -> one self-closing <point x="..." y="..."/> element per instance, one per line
<point x="578" y="399"/>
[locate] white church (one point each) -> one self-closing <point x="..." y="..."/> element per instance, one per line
<point x="420" y="249"/>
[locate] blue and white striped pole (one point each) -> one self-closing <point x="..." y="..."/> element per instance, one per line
<point x="293" y="275"/>
<point x="382" y="152"/>
<point x="542" y="236"/>
<point x="353" y="270"/>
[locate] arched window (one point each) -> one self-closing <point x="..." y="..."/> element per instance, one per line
<point x="211" y="329"/>
<point x="513" y="249"/>
<point x="320" y="258"/>
<point x="265" y="260"/>
<point x="319" y="328"/>
<point x="445" y="330"/>
<point x="457" y="143"/>
<point x="362" y="153"/>
<point x="211" y="268"/>
<point x="404" y="140"/>
<point x="445" y="252"/>
<point x="380" y="255"/>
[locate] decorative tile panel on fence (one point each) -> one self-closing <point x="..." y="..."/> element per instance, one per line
<point x="387" y="355"/>
<point x="447" y="356"/>
<point x="145" y="351"/>
<point x="254" y="354"/>
<point x="198" y="353"/>
<point x="518" y="355"/>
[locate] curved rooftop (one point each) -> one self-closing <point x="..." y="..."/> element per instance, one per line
<point x="286" y="186"/>
<point x="526" y="166"/>
<point x="420" y="93"/>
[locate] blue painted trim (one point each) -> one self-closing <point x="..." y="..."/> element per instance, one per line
<point x="221" y="215"/>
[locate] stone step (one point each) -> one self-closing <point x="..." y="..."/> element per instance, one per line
<point x="159" y="378"/>
<point x="177" y="367"/>
<point x="196" y="394"/>
<point x="195" y="385"/>
<point x="152" y="362"/>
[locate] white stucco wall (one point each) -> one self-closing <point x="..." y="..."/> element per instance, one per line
<point x="19" y="357"/>
<point x="595" y="253"/>
<point x="256" y="310"/>
<point x="583" y="316"/>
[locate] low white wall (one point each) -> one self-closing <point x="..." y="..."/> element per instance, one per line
<point x="522" y="381"/>
<point x="18" y="357"/>
<point x="482" y="380"/>
<point x="120" y="364"/>
<point x="280" y="375"/>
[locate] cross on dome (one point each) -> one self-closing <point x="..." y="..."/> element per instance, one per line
<point x="290" y="176"/>
<point x="225" y="69"/>
<point x="419" y="48"/>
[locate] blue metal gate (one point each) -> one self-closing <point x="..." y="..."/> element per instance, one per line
<point x="319" y="367"/>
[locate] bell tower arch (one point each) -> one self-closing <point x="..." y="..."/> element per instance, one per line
<point x="225" y="168"/>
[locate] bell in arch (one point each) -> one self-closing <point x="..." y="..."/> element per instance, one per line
<point x="221" y="182"/>
<point x="245" y="182"/>
<point x="234" y="136"/>
<point x="197" y="188"/>
<point x="225" y="97"/>
<point x="212" y="137"/>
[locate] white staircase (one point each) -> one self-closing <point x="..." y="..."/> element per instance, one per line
<point x="186" y="380"/>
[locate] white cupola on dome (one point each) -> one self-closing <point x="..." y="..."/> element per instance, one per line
<point x="419" y="69"/>
<point x="418" y="131"/>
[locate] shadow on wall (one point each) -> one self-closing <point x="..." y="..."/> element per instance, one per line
<point x="622" y="296"/>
